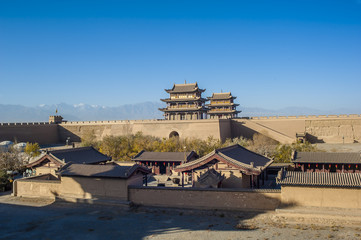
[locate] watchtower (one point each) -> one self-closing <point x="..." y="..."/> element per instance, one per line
<point x="55" y="119"/>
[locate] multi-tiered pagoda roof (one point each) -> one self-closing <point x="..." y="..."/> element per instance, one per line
<point x="222" y="106"/>
<point x="185" y="102"/>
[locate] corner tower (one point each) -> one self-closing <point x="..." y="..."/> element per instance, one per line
<point x="222" y="106"/>
<point x="185" y="102"/>
<point x="55" y="119"/>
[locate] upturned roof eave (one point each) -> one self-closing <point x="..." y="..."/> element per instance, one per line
<point x="217" y="112"/>
<point x="198" y="99"/>
<point x="48" y="156"/>
<point x="245" y="168"/>
<point x="185" y="91"/>
<point x="183" y="109"/>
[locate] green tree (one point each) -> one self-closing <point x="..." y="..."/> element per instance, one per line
<point x="89" y="140"/>
<point x="32" y="149"/>
<point x="284" y="152"/>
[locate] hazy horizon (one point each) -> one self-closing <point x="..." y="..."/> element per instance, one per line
<point x="139" y="111"/>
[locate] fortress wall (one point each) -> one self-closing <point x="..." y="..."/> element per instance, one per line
<point x="335" y="130"/>
<point x="186" y="129"/>
<point x="225" y="129"/>
<point x="329" y="129"/>
<point x="42" y="133"/>
<point x="281" y="130"/>
<point x="323" y="128"/>
<point x="308" y="117"/>
<point x="286" y="126"/>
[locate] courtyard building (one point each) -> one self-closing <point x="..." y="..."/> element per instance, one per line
<point x="79" y="182"/>
<point x="163" y="162"/>
<point x="51" y="161"/>
<point x="240" y="167"/>
<point x="341" y="162"/>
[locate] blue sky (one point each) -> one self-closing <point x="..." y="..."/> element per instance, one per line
<point x="270" y="54"/>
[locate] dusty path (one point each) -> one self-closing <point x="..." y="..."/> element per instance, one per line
<point x="34" y="219"/>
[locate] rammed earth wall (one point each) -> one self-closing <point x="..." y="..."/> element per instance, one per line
<point x="329" y="129"/>
<point x="322" y="197"/>
<point x="42" y="133"/>
<point x="218" y="129"/>
<point x="225" y="199"/>
<point x="36" y="188"/>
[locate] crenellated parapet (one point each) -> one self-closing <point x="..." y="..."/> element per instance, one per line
<point x="111" y="122"/>
<point x="25" y="123"/>
<point x="308" y="117"/>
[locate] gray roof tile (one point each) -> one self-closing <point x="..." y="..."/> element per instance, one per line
<point x="236" y="155"/>
<point x="164" y="156"/>
<point x="187" y="87"/>
<point x="327" y="157"/>
<point x="109" y="170"/>
<point x="87" y="155"/>
<point x="226" y="95"/>
<point x="326" y="179"/>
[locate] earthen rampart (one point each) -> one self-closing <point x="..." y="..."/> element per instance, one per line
<point x="202" y="129"/>
<point x="322" y="128"/>
<point x="309" y="117"/>
<point x="40" y="132"/>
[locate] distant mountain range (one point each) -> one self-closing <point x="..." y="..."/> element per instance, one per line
<point x="146" y="110"/>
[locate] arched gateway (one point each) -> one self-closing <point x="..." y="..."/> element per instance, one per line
<point x="173" y="134"/>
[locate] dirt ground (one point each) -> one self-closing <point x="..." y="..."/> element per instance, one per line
<point x="339" y="147"/>
<point x="44" y="219"/>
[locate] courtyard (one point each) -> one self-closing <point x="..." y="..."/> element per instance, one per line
<point x="44" y="219"/>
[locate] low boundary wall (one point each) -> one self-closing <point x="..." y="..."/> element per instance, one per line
<point x="322" y="197"/>
<point x="222" y="199"/>
<point x="36" y="187"/>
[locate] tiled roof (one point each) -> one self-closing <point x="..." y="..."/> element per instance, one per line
<point x="183" y="109"/>
<point x="87" y="155"/>
<point x="210" y="177"/>
<point x="326" y="179"/>
<point x="164" y="156"/>
<point x="192" y="99"/>
<point x="109" y="170"/>
<point x="226" y="95"/>
<point x="242" y="155"/>
<point x="187" y="87"/>
<point x="225" y="111"/>
<point x="236" y="155"/>
<point x="327" y="157"/>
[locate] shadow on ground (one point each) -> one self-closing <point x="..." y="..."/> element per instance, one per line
<point x="59" y="220"/>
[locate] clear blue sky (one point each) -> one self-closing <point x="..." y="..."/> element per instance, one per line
<point x="270" y="54"/>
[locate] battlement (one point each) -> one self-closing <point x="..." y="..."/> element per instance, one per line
<point x="25" y="123"/>
<point x="55" y="119"/>
<point x="110" y="122"/>
<point x="309" y="117"/>
<point x="137" y="121"/>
